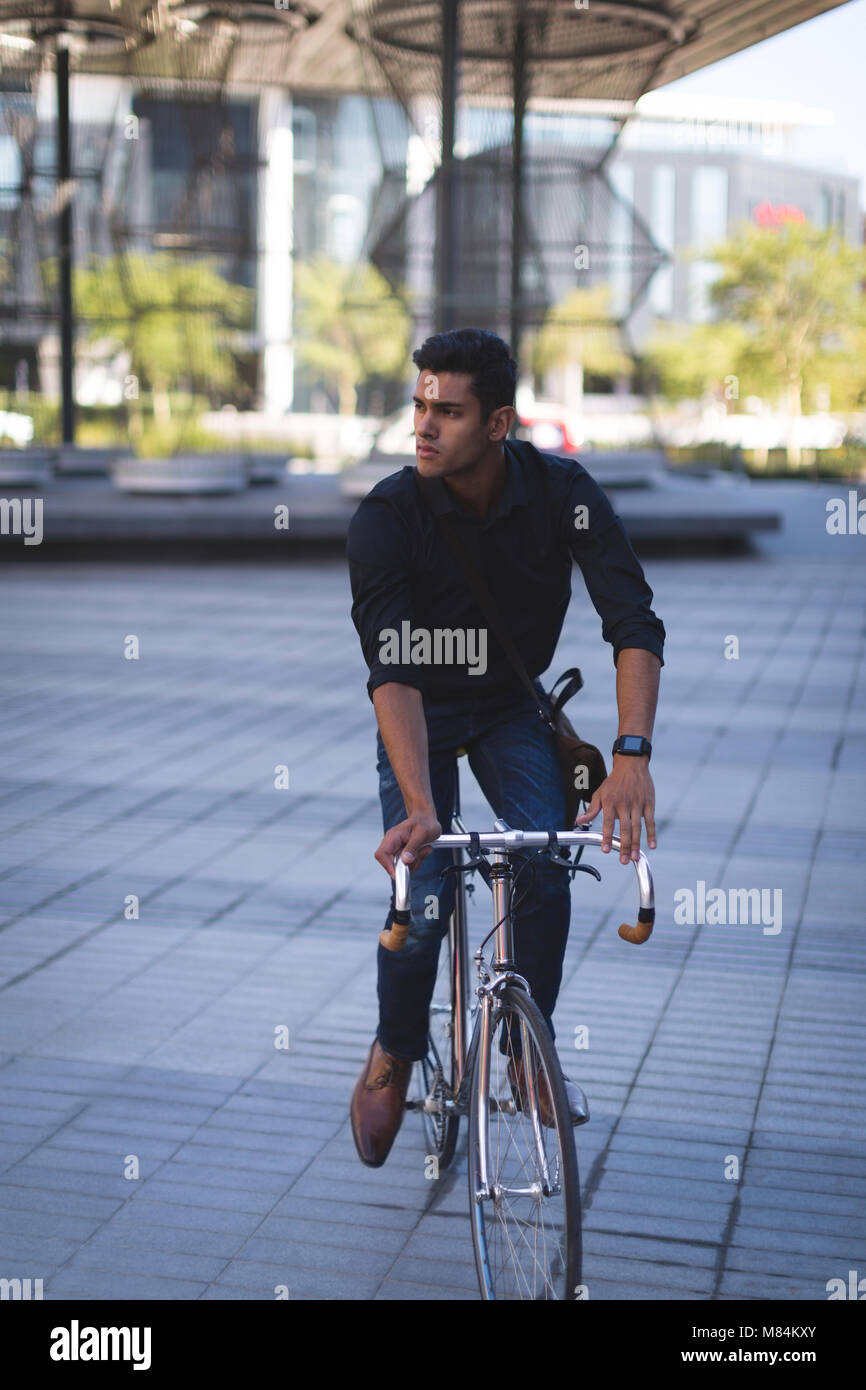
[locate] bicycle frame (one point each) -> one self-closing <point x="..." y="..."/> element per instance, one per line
<point x="458" y="936"/>
<point x="453" y="1057"/>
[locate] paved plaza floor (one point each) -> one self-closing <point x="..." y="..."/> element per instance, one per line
<point x="169" y="917"/>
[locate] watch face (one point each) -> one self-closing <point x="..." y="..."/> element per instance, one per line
<point x="632" y="743"/>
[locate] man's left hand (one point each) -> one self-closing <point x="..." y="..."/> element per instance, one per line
<point x="627" y="795"/>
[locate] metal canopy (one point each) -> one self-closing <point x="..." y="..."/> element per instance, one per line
<point x="610" y="49"/>
<point x="496" y="51"/>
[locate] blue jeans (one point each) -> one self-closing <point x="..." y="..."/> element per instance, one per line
<point x="511" y="752"/>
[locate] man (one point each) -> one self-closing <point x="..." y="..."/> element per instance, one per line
<point x="526" y="517"/>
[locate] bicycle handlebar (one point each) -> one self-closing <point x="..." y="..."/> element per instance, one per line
<point x="394" y="938"/>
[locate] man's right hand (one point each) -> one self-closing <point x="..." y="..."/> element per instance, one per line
<point x="412" y="836"/>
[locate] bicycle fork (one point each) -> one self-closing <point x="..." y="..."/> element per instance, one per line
<point x="503" y="964"/>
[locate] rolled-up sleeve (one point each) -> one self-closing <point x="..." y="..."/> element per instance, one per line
<point x="611" y="571"/>
<point x="377" y="550"/>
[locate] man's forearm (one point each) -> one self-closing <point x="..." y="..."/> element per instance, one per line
<point x="637" y="691"/>
<point x="400" y="713"/>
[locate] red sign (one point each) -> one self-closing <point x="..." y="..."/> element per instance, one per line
<point x="768" y="215"/>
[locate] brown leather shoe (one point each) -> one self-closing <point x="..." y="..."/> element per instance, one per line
<point x="578" y="1106"/>
<point x="378" y="1105"/>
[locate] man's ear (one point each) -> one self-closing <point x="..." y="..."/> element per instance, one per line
<point x="500" y="422"/>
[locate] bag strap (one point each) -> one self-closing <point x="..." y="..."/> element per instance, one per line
<point x="575" y="683"/>
<point x="467" y="562"/>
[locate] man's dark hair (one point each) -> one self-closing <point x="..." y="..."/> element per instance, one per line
<point x="479" y="353"/>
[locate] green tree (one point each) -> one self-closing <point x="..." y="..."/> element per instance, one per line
<point x="174" y="316"/>
<point x="689" y="361"/>
<point x="350" y="326"/>
<point x="797" y="291"/>
<point x="579" y="332"/>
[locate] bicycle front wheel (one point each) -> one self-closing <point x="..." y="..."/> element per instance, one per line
<point x="524" y="1189"/>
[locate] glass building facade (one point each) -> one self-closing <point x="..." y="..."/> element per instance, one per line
<point x="354" y="187"/>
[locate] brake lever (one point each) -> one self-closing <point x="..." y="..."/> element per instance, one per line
<point x="470" y="866"/>
<point x="572" y="865"/>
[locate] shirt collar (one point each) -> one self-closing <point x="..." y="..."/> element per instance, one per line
<point x="440" y="499"/>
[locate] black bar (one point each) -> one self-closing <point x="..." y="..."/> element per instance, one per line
<point x="446" y="231"/>
<point x="200" y="1338"/>
<point x="519" y="89"/>
<point x="64" y="240"/>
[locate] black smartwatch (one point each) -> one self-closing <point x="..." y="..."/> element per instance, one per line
<point x="633" y="746"/>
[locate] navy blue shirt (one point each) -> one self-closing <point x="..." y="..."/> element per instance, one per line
<point x="405" y="583"/>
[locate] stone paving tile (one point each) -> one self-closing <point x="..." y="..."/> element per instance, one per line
<point x="779" y="1264"/>
<point x="437" y="1272"/>
<point x="155" y="1036"/>
<point x="42" y="1250"/>
<point x="276" y="1231"/>
<point x="649" y="1274"/>
<point x="123" y="1259"/>
<point x="613" y="1291"/>
<point x="143" y="1234"/>
<point x="399" y="1290"/>
<point x="604" y="1221"/>
<point x="792" y="1285"/>
<point x="848" y="1245"/>
<point x="342" y="1211"/>
<point x="264" y="1278"/>
<point x="301" y="1254"/>
<point x="627" y="1201"/>
<point x="100" y="1284"/>
<point x="148" y="1213"/>
<point x="40" y="1199"/>
<point x="230" y="1199"/>
<point x="776" y="1159"/>
<point x="785" y="1196"/>
<point x="62" y="1179"/>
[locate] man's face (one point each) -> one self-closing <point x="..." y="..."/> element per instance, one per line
<point x="450" y="435"/>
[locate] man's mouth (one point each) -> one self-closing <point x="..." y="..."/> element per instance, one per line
<point x="426" y="451"/>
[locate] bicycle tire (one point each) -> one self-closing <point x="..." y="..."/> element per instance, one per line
<point x="557" y="1274"/>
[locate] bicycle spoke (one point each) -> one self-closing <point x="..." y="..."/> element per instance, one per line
<point x="525" y="1229"/>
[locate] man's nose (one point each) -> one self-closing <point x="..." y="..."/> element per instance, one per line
<point x="426" y="425"/>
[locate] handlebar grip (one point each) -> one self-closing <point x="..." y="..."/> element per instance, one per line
<point x="394" y="937"/>
<point x="643" y="929"/>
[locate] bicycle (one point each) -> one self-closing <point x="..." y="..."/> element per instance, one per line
<point x="524" y="1185"/>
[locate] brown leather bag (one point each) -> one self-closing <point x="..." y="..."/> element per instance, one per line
<point x="581" y="763"/>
